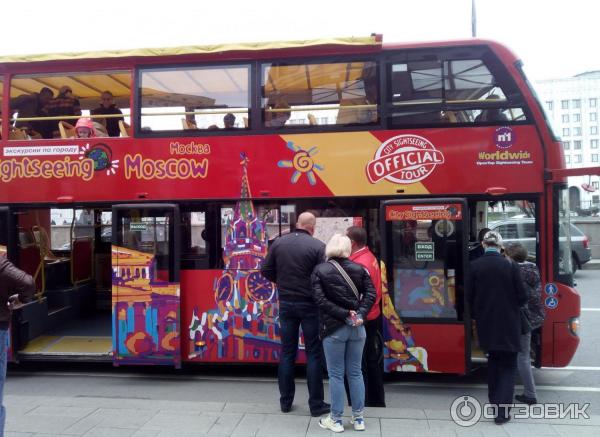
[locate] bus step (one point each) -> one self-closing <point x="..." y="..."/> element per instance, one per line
<point x="55" y="311"/>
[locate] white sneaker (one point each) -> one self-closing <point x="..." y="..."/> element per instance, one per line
<point x="359" y="423"/>
<point x="333" y="425"/>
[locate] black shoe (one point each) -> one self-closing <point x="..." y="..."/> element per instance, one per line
<point x="321" y="411"/>
<point x="526" y="399"/>
<point x="286" y="408"/>
<point x="501" y="420"/>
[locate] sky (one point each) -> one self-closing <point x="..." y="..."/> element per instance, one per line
<point x="554" y="38"/>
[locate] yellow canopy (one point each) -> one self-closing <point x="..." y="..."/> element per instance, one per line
<point x="187" y="50"/>
<point x="86" y="86"/>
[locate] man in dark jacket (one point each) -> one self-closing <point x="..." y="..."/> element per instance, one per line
<point x="33" y="105"/>
<point x="15" y="286"/>
<point x="289" y="263"/>
<point x="107" y="107"/>
<point x="496" y="295"/>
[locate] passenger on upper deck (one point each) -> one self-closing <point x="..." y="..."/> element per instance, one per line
<point x="107" y="107"/>
<point x="493" y="114"/>
<point x="279" y="117"/>
<point x="85" y="128"/>
<point x="33" y="105"/>
<point x="229" y="121"/>
<point x="63" y="104"/>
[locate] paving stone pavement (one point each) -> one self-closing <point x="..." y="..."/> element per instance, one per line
<point x="45" y="416"/>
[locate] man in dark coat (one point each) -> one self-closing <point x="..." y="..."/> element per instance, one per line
<point x="33" y="105"/>
<point x="496" y="295"/>
<point x="290" y="263"/>
<point x="107" y="107"/>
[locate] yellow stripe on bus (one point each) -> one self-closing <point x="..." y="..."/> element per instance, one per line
<point x="344" y="157"/>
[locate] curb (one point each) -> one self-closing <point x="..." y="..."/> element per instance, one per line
<point x="591" y="265"/>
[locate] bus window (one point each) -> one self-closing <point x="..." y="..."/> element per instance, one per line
<point x="195" y="98"/>
<point x="106" y="227"/>
<point x="343" y="93"/>
<point x="425" y="88"/>
<point x="515" y="221"/>
<point x="69" y="224"/>
<point x="247" y="230"/>
<point x="36" y="101"/>
<point x="545" y="110"/>
<point x="1" y="99"/>
<point x="193" y="236"/>
<point x="288" y="218"/>
<point x="414" y="82"/>
<point x="416" y="88"/>
<point x="196" y="241"/>
<point x="562" y="238"/>
<point x="425" y="282"/>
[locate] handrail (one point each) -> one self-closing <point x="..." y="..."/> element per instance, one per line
<point x="68" y="117"/>
<point x="295" y="108"/>
<point x="486" y="103"/>
<point x="208" y="111"/>
<point x="324" y="107"/>
<point x="205" y="112"/>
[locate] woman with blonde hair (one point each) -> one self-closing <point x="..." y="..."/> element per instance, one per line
<point x="344" y="293"/>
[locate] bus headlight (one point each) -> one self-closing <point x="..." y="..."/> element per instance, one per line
<point x="574" y="326"/>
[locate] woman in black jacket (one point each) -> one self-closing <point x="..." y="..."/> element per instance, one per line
<point x="342" y="309"/>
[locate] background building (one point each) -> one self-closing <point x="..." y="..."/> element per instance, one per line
<point x="572" y="106"/>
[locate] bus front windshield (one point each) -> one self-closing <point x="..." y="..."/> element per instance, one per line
<point x="545" y="110"/>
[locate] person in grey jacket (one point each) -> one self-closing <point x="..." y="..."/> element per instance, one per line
<point x="15" y="286"/>
<point x="536" y="314"/>
<point x="289" y="263"/>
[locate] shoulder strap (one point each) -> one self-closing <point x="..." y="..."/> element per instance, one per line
<point x="345" y="276"/>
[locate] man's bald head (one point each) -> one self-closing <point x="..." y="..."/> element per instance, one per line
<point x="307" y="221"/>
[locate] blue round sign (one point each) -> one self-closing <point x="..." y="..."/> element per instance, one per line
<point x="551" y="289"/>
<point x="551" y="302"/>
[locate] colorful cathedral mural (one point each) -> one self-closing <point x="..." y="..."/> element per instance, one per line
<point x="145" y="311"/>
<point x="242" y="324"/>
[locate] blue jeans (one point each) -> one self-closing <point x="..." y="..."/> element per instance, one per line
<point x="3" y="351"/>
<point x="343" y="352"/>
<point x="524" y="366"/>
<point x="292" y="316"/>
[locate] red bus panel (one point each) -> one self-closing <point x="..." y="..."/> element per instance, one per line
<point x="475" y="160"/>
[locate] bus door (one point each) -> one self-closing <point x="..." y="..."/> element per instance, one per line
<point x="425" y="254"/>
<point x="8" y="249"/>
<point x="4" y="230"/>
<point x="145" y="284"/>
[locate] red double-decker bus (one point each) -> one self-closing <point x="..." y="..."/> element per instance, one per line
<point x="141" y="190"/>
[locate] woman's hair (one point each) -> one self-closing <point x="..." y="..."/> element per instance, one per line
<point x="516" y="251"/>
<point x="338" y="247"/>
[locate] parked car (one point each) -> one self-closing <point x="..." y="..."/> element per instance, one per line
<point x="522" y="230"/>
